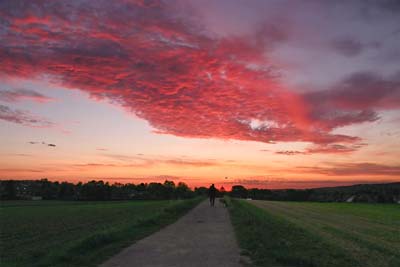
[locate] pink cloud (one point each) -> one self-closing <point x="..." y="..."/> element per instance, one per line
<point x="24" y="118"/>
<point x="334" y="148"/>
<point x="355" y="99"/>
<point x="23" y="94"/>
<point x="290" y="152"/>
<point x="129" y="162"/>
<point x="352" y="169"/>
<point x="167" y="71"/>
<point x="324" y="148"/>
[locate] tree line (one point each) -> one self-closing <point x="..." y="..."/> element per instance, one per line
<point x="95" y="190"/>
<point x="100" y="190"/>
<point x="369" y="193"/>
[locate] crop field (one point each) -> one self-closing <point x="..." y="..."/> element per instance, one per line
<point x="318" y="234"/>
<point x="58" y="233"/>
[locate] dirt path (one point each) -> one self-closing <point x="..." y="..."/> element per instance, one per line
<point x="203" y="237"/>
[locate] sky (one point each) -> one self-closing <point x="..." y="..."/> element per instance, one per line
<point x="268" y="94"/>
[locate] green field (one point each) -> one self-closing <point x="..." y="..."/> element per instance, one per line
<point x="57" y="233"/>
<point x="318" y="234"/>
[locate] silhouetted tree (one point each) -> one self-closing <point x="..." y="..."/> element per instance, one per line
<point x="201" y="190"/>
<point x="66" y="191"/>
<point x="221" y="191"/>
<point x="183" y="191"/>
<point x="169" y="189"/>
<point x="8" y="190"/>
<point x="239" y="191"/>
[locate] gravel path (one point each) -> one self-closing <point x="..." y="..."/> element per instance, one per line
<point x="202" y="237"/>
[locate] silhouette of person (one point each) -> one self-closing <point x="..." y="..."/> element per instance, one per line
<point x="212" y="192"/>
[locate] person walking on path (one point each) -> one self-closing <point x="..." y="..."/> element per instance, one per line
<point x="212" y="192"/>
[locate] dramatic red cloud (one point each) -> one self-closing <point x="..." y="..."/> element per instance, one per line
<point x="167" y="70"/>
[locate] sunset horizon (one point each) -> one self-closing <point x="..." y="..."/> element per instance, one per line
<point x="265" y="95"/>
<point x="269" y="184"/>
<point x="199" y="133"/>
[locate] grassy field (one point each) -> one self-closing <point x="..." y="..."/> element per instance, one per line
<point x="57" y="233"/>
<point x="318" y="234"/>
